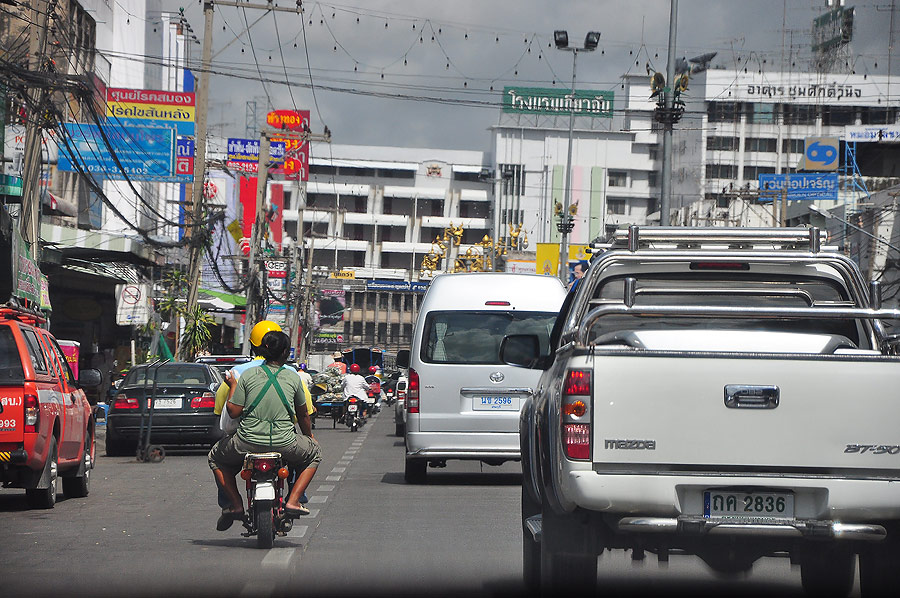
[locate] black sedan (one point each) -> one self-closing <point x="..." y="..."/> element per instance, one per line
<point x="184" y="395"/>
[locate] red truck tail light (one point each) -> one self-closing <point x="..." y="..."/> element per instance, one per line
<point x="412" y="392"/>
<point x="576" y="415"/>
<point x="205" y="401"/>
<point x="32" y="413"/>
<point x="123" y="402"/>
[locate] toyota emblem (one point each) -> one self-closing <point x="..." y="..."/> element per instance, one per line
<point x="497" y="377"/>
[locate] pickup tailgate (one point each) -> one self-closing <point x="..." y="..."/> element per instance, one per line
<point x="781" y="413"/>
<point x="11" y="414"/>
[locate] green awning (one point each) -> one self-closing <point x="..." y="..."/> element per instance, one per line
<point x="236" y="300"/>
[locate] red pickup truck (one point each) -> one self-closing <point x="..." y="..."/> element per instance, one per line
<point x="46" y="426"/>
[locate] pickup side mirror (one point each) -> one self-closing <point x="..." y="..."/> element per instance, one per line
<point x="403" y="358"/>
<point x="521" y="350"/>
<point x="89" y="377"/>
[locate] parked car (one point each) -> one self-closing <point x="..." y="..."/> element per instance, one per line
<point x="222" y="363"/>
<point x="184" y="397"/>
<point x="46" y="428"/>
<point x="462" y="400"/>
<point x="400" y="406"/>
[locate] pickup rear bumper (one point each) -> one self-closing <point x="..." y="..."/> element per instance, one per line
<point x="789" y="529"/>
<point x="16" y="457"/>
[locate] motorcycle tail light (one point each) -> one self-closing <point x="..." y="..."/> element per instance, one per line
<point x="205" y="401"/>
<point x="32" y="413"/>
<point x="412" y="392"/>
<point x="283" y="473"/>
<point x="352" y="400"/>
<point x="246" y="474"/>
<point x="264" y="465"/>
<point x="575" y="416"/>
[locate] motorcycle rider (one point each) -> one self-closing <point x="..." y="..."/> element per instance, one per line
<point x="354" y="385"/>
<point x="266" y="399"/>
<point x="256" y="335"/>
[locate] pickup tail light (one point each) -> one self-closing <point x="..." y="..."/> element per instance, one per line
<point x="412" y="391"/>
<point x="32" y="413"/>
<point x="205" y="401"/>
<point x="576" y="415"/>
<point x="123" y="402"/>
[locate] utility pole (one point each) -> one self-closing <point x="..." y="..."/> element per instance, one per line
<point x="306" y="341"/>
<point x="29" y="220"/>
<point x="665" y="198"/>
<point x="202" y="106"/>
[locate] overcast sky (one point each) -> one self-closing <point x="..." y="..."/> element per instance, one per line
<point x="376" y="83"/>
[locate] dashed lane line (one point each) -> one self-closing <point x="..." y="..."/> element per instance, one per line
<point x="278" y="558"/>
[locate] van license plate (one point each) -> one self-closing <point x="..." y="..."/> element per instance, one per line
<point x="723" y="504"/>
<point x="495" y="403"/>
<point x="167" y="404"/>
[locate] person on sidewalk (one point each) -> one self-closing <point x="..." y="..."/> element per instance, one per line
<point x="265" y="400"/>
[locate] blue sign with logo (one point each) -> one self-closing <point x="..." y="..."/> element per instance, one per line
<point x="143" y="153"/>
<point x="800" y="186"/>
<point x="821" y="154"/>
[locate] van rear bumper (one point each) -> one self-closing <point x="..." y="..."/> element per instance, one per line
<point x="463" y="445"/>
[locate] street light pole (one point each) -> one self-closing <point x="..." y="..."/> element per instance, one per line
<point x="566" y="221"/>
<point x="665" y="196"/>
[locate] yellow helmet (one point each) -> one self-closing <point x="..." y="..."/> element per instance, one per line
<point x="260" y="330"/>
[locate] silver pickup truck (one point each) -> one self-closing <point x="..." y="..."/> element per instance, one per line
<point x="726" y="393"/>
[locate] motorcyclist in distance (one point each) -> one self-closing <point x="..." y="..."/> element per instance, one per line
<point x="354" y="385"/>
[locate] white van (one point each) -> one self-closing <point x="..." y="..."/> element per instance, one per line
<point x="462" y="402"/>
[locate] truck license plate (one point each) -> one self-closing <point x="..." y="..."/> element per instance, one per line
<point x="724" y="504"/>
<point x="495" y="403"/>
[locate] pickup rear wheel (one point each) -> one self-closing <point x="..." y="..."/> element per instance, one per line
<point x="531" y="548"/>
<point x="828" y="572"/>
<point x="79" y="485"/>
<point x="878" y="573"/>
<point x="567" y="564"/>
<point x="45" y="498"/>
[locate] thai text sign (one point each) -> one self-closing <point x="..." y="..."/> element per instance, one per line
<point x="871" y="133"/>
<point x="806" y="185"/>
<point x="243" y="154"/>
<point x="293" y="120"/>
<point x="184" y="160"/>
<point x="144" y="153"/>
<point x="552" y="102"/>
<point x="146" y="107"/>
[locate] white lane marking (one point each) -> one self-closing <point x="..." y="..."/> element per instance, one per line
<point x="299" y="530"/>
<point x="318" y="499"/>
<point x="278" y="558"/>
<point x="325" y="488"/>
<point x="333" y="478"/>
<point x="338" y="470"/>
<point x="312" y="513"/>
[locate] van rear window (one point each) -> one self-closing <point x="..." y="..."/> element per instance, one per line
<point x="11" y="371"/>
<point x="473" y="337"/>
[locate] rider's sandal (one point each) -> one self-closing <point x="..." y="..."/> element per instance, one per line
<point x="227" y="518"/>
<point x="294" y="513"/>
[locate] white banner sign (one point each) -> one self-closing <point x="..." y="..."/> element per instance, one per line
<point x="871" y="133"/>
<point x="132" y="304"/>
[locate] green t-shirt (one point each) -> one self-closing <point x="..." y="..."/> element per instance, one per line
<point x="269" y="423"/>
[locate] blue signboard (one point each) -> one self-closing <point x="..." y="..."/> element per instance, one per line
<point x="243" y="154"/>
<point x="800" y="186"/>
<point x="182" y="127"/>
<point x="145" y="153"/>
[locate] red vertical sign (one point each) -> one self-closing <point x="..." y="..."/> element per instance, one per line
<point x="248" y="202"/>
<point x="276" y="215"/>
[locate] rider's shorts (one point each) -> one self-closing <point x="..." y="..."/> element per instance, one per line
<point x="229" y="452"/>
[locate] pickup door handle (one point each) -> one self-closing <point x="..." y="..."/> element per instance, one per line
<point x="749" y="396"/>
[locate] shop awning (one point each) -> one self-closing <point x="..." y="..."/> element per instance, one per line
<point x="93" y="244"/>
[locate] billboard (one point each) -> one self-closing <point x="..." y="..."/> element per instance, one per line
<point x="296" y="157"/>
<point x="152" y="108"/>
<point x="872" y="133"/>
<point x="821" y="153"/>
<point x="243" y="154"/>
<point x="144" y="153"/>
<point x="330" y="305"/>
<point x="799" y="186"/>
<point x="557" y="102"/>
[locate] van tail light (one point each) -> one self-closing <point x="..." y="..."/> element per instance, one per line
<point x="576" y="415"/>
<point x="32" y="413"/>
<point x="123" y="402"/>
<point x="412" y="392"/>
<point x="205" y="401"/>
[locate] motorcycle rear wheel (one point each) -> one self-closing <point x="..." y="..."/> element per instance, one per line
<point x="265" y="524"/>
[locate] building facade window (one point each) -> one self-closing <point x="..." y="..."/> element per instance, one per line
<point x="618" y="178"/>
<point x="722" y="112"/>
<point x="616" y="205"/>
<point x="753" y="172"/>
<point x="793" y="146"/>
<point x="760" y="144"/>
<point x="799" y="114"/>
<point x="721" y="171"/>
<point x="727" y="144"/>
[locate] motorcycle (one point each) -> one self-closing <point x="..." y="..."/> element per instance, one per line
<point x="352" y="416"/>
<point x="265" y="474"/>
<point x="374" y="393"/>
